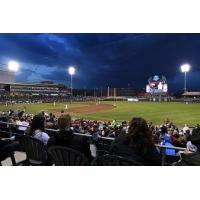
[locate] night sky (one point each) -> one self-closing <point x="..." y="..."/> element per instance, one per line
<point x="101" y="60"/>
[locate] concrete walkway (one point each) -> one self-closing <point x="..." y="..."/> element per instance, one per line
<point x="19" y="156"/>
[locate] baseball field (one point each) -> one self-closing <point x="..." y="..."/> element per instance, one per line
<point x="179" y="113"/>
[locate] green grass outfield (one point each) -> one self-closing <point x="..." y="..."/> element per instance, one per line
<point x="179" y="113"/>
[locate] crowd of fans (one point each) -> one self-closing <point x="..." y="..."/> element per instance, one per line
<point x="136" y="139"/>
<point x="11" y="100"/>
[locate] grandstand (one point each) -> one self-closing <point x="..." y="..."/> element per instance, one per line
<point x="9" y="88"/>
<point x="191" y="94"/>
<point x="34" y="89"/>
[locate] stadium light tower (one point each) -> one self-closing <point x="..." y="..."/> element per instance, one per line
<point x="185" y="68"/>
<point x="71" y="71"/>
<point x="13" y="66"/>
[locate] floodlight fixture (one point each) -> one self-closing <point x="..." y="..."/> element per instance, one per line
<point x="13" y="66"/>
<point x="185" y="68"/>
<point x="71" y="70"/>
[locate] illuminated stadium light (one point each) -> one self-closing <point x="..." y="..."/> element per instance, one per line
<point x="13" y="66"/>
<point x="71" y="71"/>
<point x="185" y="68"/>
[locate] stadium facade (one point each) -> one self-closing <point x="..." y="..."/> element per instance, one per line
<point x="8" y="86"/>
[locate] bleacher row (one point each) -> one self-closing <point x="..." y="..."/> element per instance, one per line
<point x="38" y="154"/>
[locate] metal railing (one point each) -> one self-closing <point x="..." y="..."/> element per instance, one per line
<point x="163" y="148"/>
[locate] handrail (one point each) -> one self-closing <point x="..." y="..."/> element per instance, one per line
<point x="170" y="147"/>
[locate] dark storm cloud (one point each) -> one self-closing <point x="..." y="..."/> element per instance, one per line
<point x="116" y="60"/>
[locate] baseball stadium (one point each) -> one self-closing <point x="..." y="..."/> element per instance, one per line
<point x="155" y="106"/>
<point x="49" y="123"/>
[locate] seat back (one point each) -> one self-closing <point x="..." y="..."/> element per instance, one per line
<point x="65" y="156"/>
<point x="36" y="151"/>
<point x="21" y="139"/>
<point x="113" y="160"/>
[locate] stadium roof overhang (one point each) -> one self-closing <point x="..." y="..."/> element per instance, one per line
<point x="29" y="84"/>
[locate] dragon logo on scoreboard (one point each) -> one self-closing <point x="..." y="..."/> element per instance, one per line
<point x="157" y="85"/>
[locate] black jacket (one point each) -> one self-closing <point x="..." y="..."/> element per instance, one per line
<point x="4" y="143"/>
<point x="7" y="146"/>
<point x="69" y="139"/>
<point x="118" y="147"/>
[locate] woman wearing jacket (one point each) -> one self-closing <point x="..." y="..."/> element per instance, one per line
<point x="137" y="144"/>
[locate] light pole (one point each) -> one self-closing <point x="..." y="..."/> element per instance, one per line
<point x="71" y="71"/>
<point x="185" y="68"/>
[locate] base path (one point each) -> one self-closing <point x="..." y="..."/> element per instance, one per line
<point x="86" y="109"/>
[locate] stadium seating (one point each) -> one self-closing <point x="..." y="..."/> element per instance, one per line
<point x="64" y="156"/>
<point x="36" y="151"/>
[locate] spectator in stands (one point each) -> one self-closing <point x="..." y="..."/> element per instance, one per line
<point x="22" y="125"/>
<point x="191" y="158"/>
<point x="166" y="134"/>
<point x="175" y="136"/>
<point x="38" y="127"/>
<point x="95" y="131"/>
<point x="29" y="120"/>
<point x="196" y="130"/>
<point x="167" y="122"/>
<point x="137" y="144"/>
<point x="66" y="137"/>
<point x="185" y="128"/>
<point x="104" y="132"/>
<point x="114" y="123"/>
<point x="21" y="114"/>
<point x="167" y="141"/>
<point x="190" y="147"/>
<point x="11" y="112"/>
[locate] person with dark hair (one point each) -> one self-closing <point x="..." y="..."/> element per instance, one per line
<point x="66" y="137"/>
<point x="196" y="130"/>
<point x="20" y="114"/>
<point x="137" y="144"/>
<point x="11" y="112"/>
<point x="38" y="127"/>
